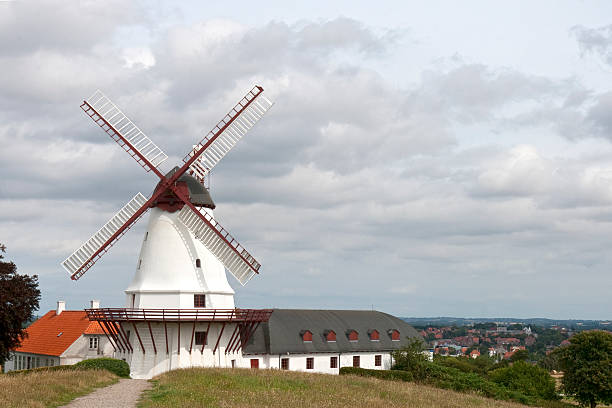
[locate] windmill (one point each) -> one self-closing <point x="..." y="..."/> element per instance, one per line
<point x="180" y="276"/>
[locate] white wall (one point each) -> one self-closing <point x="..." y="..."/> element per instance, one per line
<point x="36" y="360"/>
<point x="79" y="350"/>
<point x="148" y="364"/>
<point x="297" y="362"/>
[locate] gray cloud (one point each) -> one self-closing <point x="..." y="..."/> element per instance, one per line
<point x="350" y="181"/>
<point x="595" y="40"/>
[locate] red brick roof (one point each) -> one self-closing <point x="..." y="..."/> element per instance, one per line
<point x="44" y="334"/>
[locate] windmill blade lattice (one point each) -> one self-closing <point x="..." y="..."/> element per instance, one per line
<point x="218" y="241"/>
<point x="83" y="258"/>
<point x="222" y="138"/>
<point x="123" y="131"/>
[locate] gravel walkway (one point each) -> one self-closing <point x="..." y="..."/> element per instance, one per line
<point x="124" y="394"/>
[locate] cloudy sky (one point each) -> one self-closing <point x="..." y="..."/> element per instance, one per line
<point x="449" y="159"/>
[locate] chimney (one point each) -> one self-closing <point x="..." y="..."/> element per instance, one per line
<point x="61" y="306"/>
<point x="94" y="304"/>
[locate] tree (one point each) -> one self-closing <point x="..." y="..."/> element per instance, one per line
<point x="519" y="355"/>
<point x="587" y="367"/>
<point x="411" y="358"/>
<point x="19" y="297"/>
<point x="527" y="379"/>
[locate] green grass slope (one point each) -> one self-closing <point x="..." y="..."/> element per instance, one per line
<point x="273" y="388"/>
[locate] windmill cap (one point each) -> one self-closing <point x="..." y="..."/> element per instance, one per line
<point x="198" y="194"/>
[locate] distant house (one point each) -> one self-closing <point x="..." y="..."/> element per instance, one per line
<point x="475" y="354"/>
<point x="60" y="337"/>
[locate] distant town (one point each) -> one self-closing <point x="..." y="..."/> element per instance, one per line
<point x="499" y="338"/>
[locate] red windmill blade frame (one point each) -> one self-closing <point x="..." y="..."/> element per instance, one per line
<point x="168" y="182"/>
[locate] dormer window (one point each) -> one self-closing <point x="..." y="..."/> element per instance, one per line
<point x="330" y="336"/>
<point x="352" y="335"/>
<point x="306" y="336"/>
<point x="394" y="334"/>
<point x="374" y="335"/>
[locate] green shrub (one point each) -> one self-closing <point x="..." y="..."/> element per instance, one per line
<point x="527" y="379"/>
<point x="118" y="367"/>
<point x="382" y="374"/>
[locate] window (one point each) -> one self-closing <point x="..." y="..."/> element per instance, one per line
<point x="355" y="361"/>
<point x="352" y="335"/>
<point x="378" y="360"/>
<point x="93" y="343"/>
<point x="254" y="363"/>
<point x="330" y="335"/>
<point x="310" y="363"/>
<point x="306" y="335"/>
<point x="198" y="263"/>
<point x="146" y="235"/>
<point x="199" y="301"/>
<point x="395" y="335"/>
<point x="374" y="335"/>
<point x="333" y="362"/>
<point x="201" y="338"/>
<point x="284" y="363"/>
<point x="139" y="263"/>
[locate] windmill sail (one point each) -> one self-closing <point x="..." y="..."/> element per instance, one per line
<point x="222" y="138"/>
<point x="123" y="131"/>
<point x="231" y="254"/>
<point x="83" y="258"/>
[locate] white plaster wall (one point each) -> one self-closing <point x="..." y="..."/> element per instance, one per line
<point x="149" y="364"/>
<point x="297" y="362"/>
<point x="167" y="276"/>
<point x="44" y="361"/>
<point x="79" y="350"/>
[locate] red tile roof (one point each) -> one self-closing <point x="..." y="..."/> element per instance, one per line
<point x="44" y="334"/>
<point x="94" y="328"/>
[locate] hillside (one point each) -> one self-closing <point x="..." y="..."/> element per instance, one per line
<point x="272" y="388"/>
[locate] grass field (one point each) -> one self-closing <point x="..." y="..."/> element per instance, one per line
<point x="273" y="388"/>
<point x="50" y="388"/>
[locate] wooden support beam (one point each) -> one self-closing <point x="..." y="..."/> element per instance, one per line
<point x="193" y="333"/>
<point x="110" y="333"/>
<point x="127" y="340"/>
<point x="152" y="339"/>
<point x="165" y="331"/>
<point x="230" y="342"/>
<point x="139" y="340"/>
<point x="219" y="339"/>
<point x="208" y="331"/>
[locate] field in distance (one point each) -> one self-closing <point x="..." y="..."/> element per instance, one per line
<point x="204" y="387"/>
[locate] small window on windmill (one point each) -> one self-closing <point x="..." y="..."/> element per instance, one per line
<point x="146" y="235"/>
<point x="199" y="300"/>
<point x="139" y="263"/>
<point x="198" y="263"/>
<point x="201" y="339"/>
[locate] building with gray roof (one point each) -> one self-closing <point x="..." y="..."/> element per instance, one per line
<point x="325" y="340"/>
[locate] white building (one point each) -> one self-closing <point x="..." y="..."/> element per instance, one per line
<point x="323" y="341"/>
<point x="60" y="337"/>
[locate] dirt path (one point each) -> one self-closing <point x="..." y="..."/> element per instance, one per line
<point x="124" y="394"/>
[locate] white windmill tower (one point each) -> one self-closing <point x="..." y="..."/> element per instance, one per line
<point x="180" y="296"/>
